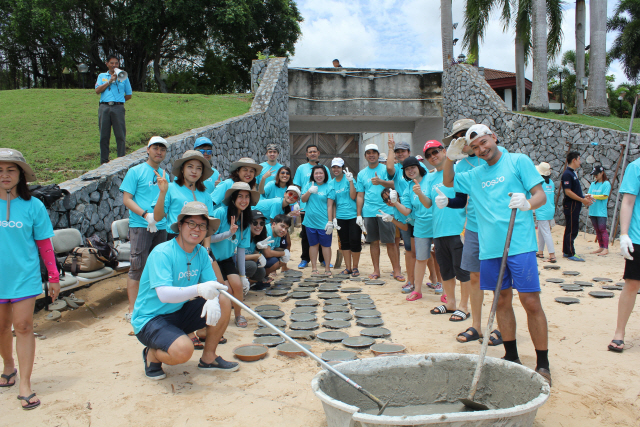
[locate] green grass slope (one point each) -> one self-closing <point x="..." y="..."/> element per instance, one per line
<point x="610" y="122"/>
<point x="57" y="129"/>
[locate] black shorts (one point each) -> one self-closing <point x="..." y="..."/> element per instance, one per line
<point x="227" y="267"/>
<point x="449" y="257"/>
<point x="632" y="267"/>
<point x="162" y="331"/>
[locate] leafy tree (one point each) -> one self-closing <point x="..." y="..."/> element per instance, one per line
<point x="626" y="46"/>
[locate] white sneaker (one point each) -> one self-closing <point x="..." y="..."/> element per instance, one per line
<point x="127" y="317"/>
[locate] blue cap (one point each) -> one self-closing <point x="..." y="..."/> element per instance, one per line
<point x="202" y="141"/>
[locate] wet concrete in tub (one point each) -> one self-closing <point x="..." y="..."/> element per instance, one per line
<point x="428" y="409"/>
<point x="250" y="350"/>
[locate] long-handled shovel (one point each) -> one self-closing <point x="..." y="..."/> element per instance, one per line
<point x="469" y="402"/>
<point x="381" y="406"/>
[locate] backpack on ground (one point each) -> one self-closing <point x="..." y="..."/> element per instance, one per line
<point x="106" y="253"/>
<point x="82" y="260"/>
<point x="48" y="194"/>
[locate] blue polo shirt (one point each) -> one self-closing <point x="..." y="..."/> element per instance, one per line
<point x="142" y="183"/>
<point x="570" y="181"/>
<point x="116" y="90"/>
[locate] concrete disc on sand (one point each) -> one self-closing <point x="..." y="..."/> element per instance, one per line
<point x="307" y="303"/>
<point x="302" y="335"/>
<point x="571" y="273"/>
<point x="269" y="341"/>
<point x="553" y="280"/>
<point x="358" y="296"/>
<point x="282" y="287"/>
<point x="338" y="356"/>
<point x="335" y="279"/>
<point x="58" y="305"/>
<point x="309" y="285"/>
<point x="342" y="276"/>
<point x="276" y="292"/>
<point x="620" y="283"/>
<point x="601" y="294"/>
<point x="356" y="279"/>
<point x="304" y="326"/>
<point x="370" y="322"/>
<point x="304" y="309"/>
<point x="250" y="352"/>
<point x="327" y="295"/>
<point x="364" y="306"/>
<point x="315" y="280"/>
<point x="272" y="314"/>
<point x="292" y="273"/>
<point x="551" y="267"/>
<point x="367" y="313"/>
<point x="332" y="336"/>
<point x="361" y="301"/>
<point x="612" y="287"/>
<point x="335" y="308"/>
<point x="265" y="332"/>
<point x="303" y="317"/>
<point x="266" y="307"/>
<point x="601" y="279"/>
<point x="358" y="342"/>
<point x="290" y="350"/>
<point x="375" y="282"/>
<point x="338" y="316"/>
<point x="278" y="323"/>
<point x="300" y="295"/>
<point x="567" y="300"/>
<point x="287" y="280"/>
<point x="571" y="288"/>
<point x="387" y="348"/>
<point x="350" y="290"/>
<point x="320" y="274"/>
<point x="583" y="283"/>
<point x="336" y="324"/>
<point x="375" y="332"/>
<point x="328" y="288"/>
<point x="336" y="301"/>
<point x="54" y="315"/>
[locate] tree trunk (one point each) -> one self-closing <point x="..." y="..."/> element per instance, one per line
<point x="520" y="78"/>
<point x="446" y="28"/>
<point x="157" y="75"/>
<point x="580" y="32"/>
<point x="597" y="95"/>
<point x="539" y="92"/>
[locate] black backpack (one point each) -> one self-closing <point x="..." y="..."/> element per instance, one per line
<point x="48" y="194"/>
<point x="106" y="253"/>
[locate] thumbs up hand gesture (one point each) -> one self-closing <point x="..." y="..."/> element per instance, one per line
<point x="376" y="180"/>
<point x="416" y="188"/>
<point x="441" y="200"/>
<point x="313" y="189"/>
<point x="393" y="196"/>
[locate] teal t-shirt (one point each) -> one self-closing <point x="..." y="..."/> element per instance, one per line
<point x="116" y="91"/>
<point x="179" y="195"/>
<point x="218" y="194"/>
<point x="19" y="256"/>
<point x="599" y="207"/>
<point x="422" y="217"/>
<point x="346" y="207"/>
<point x="142" y="183"/>
<point x="372" y="193"/>
<point x="631" y="185"/>
<point x="547" y="211"/>
<point x="210" y="183"/>
<point x="447" y="221"/>
<point x="302" y="180"/>
<point x="490" y="187"/>
<point x="316" y="215"/>
<point x="265" y="168"/>
<point x="167" y="266"/>
<point x="227" y="247"/>
<point x="398" y="178"/>
<point x="465" y="165"/>
<point x="270" y="208"/>
<point x="271" y="191"/>
<point x="276" y="239"/>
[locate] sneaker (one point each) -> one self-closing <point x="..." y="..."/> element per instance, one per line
<point x="324" y="264"/>
<point x="219" y="365"/>
<point x="303" y="264"/>
<point x="438" y="288"/>
<point x="431" y="285"/>
<point x="408" y="288"/>
<point x="153" y="371"/>
<point x="127" y="317"/>
<point x="575" y="258"/>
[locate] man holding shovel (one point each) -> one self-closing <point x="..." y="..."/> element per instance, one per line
<point x="505" y="183"/>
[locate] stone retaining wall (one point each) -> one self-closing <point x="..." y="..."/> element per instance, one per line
<point x="468" y="95"/>
<point x="93" y="205"/>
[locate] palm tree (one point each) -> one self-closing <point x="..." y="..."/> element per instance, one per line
<point x="626" y="46"/>
<point x="597" y="104"/>
<point x="539" y="96"/>
<point x="580" y="32"/>
<point x="446" y="29"/>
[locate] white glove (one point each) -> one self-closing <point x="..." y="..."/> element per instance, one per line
<point x="262" y="261"/>
<point x="245" y="284"/>
<point x="359" y="221"/>
<point x="454" y="152"/>
<point x="210" y="290"/>
<point x="264" y="244"/>
<point x="519" y="200"/>
<point x="313" y="189"/>
<point x="152" y="223"/>
<point x="441" y="200"/>
<point x="335" y="224"/>
<point x="286" y="257"/>
<point x="393" y="196"/>
<point x="385" y="216"/>
<point x="210" y="259"/>
<point x="328" y="229"/>
<point x="348" y="175"/>
<point x="626" y="247"/>
<point x="211" y="311"/>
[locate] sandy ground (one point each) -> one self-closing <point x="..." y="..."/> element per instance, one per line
<point x="89" y="370"/>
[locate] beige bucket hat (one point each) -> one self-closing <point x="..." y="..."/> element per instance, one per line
<point x="237" y="186"/>
<point x="14" y="156"/>
<point x="192" y="155"/>
<point x="246" y="161"/>
<point x="197" y="208"/>
<point x="459" y="125"/>
<point x="544" y="169"/>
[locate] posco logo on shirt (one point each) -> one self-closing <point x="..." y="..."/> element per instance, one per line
<point x="152" y="184"/>
<point x="11" y="224"/>
<point x="184" y="274"/>
<point x="488" y="184"/>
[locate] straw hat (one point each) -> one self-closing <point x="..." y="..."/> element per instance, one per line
<point x="458" y="126"/>
<point x="246" y="161"/>
<point x="192" y="155"/>
<point x="544" y="169"/>
<point x="237" y="186"/>
<point x="194" y="209"/>
<point x="14" y="156"/>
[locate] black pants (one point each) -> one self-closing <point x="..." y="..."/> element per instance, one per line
<point x="305" y="243"/>
<point x="571" y="227"/>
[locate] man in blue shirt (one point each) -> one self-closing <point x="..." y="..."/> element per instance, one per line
<point x="140" y="189"/>
<point x="497" y="187"/>
<point x="113" y="94"/>
<point x="571" y="205"/>
<point x="270" y="167"/>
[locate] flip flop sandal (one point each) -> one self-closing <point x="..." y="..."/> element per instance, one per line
<point x="223" y="340"/>
<point x="461" y="314"/>
<point x="441" y="309"/>
<point x="610" y="347"/>
<point x="443" y="298"/>
<point x="356" y="272"/>
<point x="540" y="255"/>
<point x="197" y="344"/>
<point x="240" y="321"/>
<point x="552" y="261"/>
<point x="8" y="378"/>
<point x="400" y="278"/>
<point x="471" y="334"/>
<point x="413" y="296"/>
<point x="374" y="276"/>
<point x="493" y="340"/>
<point x="408" y="288"/>
<point x="29" y="404"/>
<point x="345" y="271"/>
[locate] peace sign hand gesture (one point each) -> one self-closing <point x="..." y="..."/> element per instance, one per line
<point x="163" y="184"/>
<point x="267" y="174"/>
<point x="233" y="227"/>
<point x="391" y="143"/>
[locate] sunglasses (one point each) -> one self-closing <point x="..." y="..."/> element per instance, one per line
<point x="258" y="223"/>
<point x="206" y="152"/>
<point x="432" y="153"/>
<point x="192" y="225"/>
<point x="285" y="173"/>
<point x="292" y="195"/>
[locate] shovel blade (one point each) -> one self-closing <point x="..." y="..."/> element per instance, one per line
<point x="476" y="406"/>
<point x="383" y="407"/>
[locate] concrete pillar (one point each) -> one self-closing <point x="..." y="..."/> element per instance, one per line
<point x="508" y="99"/>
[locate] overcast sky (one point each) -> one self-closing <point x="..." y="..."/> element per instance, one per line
<point x="406" y="34"/>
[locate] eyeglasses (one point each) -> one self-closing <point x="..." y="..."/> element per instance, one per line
<point x="292" y="195"/>
<point x="192" y="225"/>
<point x="258" y="223"/>
<point x="206" y="152"/>
<point x="432" y="153"/>
<point x="285" y="173"/>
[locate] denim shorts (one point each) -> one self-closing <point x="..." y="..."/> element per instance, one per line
<point x="521" y="273"/>
<point x="471" y="252"/>
<point x="423" y="247"/>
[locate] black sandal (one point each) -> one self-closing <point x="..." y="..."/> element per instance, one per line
<point x="616" y="349"/>
<point x="8" y="378"/>
<point x="30" y="405"/>
<point x="494" y="341"/>
<point x="471" y="334"/>
<point x="441" y="309"/>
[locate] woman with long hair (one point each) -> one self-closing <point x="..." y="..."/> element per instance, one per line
<point x="278" y="186"/>
<point x="316" y="220"/>
<point x="545" y="214"/>
<point x="235" y="211"/>
<point x="244" y="170"/>
<point x="599" y="190"/>
<point x="25" y="230"/>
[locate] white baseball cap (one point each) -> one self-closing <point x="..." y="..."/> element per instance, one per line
<point x="383" y="157"/>
<point x="337" y="161"/>
<point x="478" y="130"/>
<point x="158" y="140"/>
<point x="371" y="147"/>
